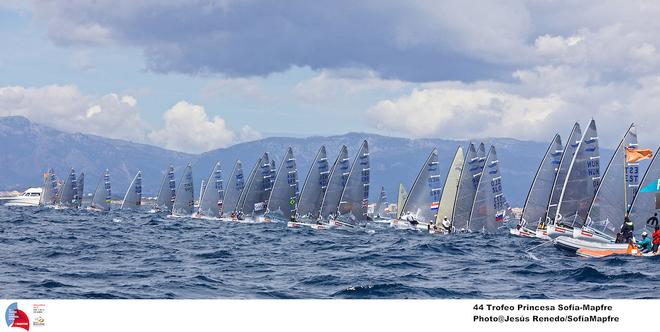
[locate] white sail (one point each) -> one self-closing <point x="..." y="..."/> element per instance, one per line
<point x="212" y="198"/>
<point x="467" y="189"/>
<point x="68" y="191"/>
<point x="424" y="196"/>
<point x="284" y="193"/>
<point x="401" y="199"/>
<point x="645" y="204"/>
<point x="489" y="204"/>
<point x="538" y="198"/>
<point x="354" y="199"/>
<point x="381" y="204"/>
<point x="570" y="148"/>
<point x="581" y="182"/>
<point x="611" y="202"/>
<point x="255" y="195"/>
<point x="133" y="197"/>
<point x="167" y="192"/>
<point x="234" y="189"/>
<point x="49" y="191"/>
<point x="184" y="200"/>
<point x="450" y="188"/>
<point x="311" y="195"/>
<point x="102" y="194"/>
<point x="336" y="183"/>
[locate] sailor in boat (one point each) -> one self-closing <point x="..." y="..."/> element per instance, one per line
<point x="239" y="215"/>
<point x="653" y="221"/>
<point x="626" y="233"/>
<point x="446" y="224"/>
<point x="411" y="219"/>
<point x="645" y="245"/>
<point x="656" y="238"/>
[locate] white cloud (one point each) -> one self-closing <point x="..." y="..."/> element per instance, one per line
<point x="328" y="85"/>
<point x="188" y="128"/>
<point x="64" y="107"/>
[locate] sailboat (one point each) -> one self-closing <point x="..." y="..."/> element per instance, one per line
<point x="102" y="194"/>
<point x="336" y="184"/>
<point x="184" y="200"/>
<point x="580" y="185"/>
<point x="49" y="192"/>
<point x="401" y="199"/>
<point x="80" y="189"/>
<point x="610" y="203"/>
<point x="311" y="195"/>
<point x="380" y="212"/>
<point x="535" y="210"/>
<point x="647" y="201"/>
<point x="449" y="193"/>
<point x="354" y="199"/>
<point x="283" y="198"/>
<point x="421" y="206"/>
<point x="254" y="198"/>
<point x="166" y="193"/>
<point x="133" y="197"/>
<point x="211" y="200"/>
<point x="233" y="192"/>
<point x="489" y="208"/>
<point x="68" y="192"/>
<point x="467" y="189"/>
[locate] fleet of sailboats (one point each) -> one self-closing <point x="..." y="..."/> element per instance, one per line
<point x="568" y="202"/>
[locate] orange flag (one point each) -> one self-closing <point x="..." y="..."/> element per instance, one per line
<point x="634" y="155"/>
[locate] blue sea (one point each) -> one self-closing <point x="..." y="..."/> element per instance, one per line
<point x="65" y="254"/>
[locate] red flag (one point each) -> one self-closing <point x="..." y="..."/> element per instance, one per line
<point x="634" y="155"/>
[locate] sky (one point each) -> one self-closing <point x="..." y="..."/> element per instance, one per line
<point x="194" y="75"/>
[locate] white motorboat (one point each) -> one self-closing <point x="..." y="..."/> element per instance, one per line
<point x="29" y="197"/>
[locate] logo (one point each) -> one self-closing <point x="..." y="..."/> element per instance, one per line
<point x="15" y="317"/>
<point x="39" y="321"/>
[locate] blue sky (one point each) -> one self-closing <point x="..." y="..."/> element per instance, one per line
<point x="194" y="75"/>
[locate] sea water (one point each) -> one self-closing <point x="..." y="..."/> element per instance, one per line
<point x="62" y="254"/>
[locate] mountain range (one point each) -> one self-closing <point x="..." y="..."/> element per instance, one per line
<point x="29" y="149"/>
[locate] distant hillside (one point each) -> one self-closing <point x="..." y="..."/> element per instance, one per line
<point x="28" y="149"/>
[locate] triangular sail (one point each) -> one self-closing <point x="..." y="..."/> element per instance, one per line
<point x="234" y="188"/>
<point x="489" y="203"/>
<point x="311" y="195"/>
<point x="570" y="147"/>
<point x="381" y="203"/>
<point x="644" y="205"/>
<point x="607" y="210"/>
<point x="102" y="194"/>
<point x="167" y="192"/>
<point x="450" y="188"/>
<point x="336" y="183"/>
<point x="581" y="182"/>
<point x="184" y="200"/>
<point x="255" y="195"/>
<point x="49" y="189"/>
<point x="68" y="191"/>
<point x="467" y="189"/>
<point x="80" y="189"/>
<point x="354" y="199"/>
<point x="284" y="194"/>
<point x="401" y="199"/>
<point x="212" y="199"/>
<point x="424" y="197"/>
<point x="133" y="197"/>
<point x="538" y="198"/>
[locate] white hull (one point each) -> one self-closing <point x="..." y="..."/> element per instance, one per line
<point x="406" y="225"/>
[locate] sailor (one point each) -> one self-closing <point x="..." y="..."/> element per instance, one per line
<point x="627" y="230"/>
<point x="653" y="221"/>
<point x="645" y="244"/>
<point x="446" y="224"/>
<point x="411" y="219"/>
<point x="656" y="238"/>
